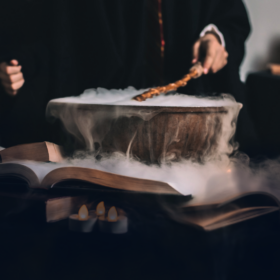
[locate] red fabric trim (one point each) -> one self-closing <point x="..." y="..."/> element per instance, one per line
<point x="161" y="28"/>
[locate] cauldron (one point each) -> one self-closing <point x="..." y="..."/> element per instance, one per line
<point x="152" y="134"/>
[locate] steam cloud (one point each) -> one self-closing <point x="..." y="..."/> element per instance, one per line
<point x="220" y="175"/>
<point x="211" y="182"/>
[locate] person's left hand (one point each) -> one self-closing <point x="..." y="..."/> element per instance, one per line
<point x="210" y="52"/>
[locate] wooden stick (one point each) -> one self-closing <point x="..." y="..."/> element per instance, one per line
<point x="195" y="72"/>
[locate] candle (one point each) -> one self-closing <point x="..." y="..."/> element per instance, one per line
<point x="83" y="221"/>
<point x="114" y="223"/>
<point x="100" y="209"/>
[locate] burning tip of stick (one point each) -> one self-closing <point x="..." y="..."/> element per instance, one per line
<point x="147" y="94"/>
<point x="138" y="98"/>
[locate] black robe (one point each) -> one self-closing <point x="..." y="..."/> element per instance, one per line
<point x="68" y="46"/>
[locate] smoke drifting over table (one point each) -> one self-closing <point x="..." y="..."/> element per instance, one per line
<point x="209" y="174"/>
<point x="212" y="173"/>
<point x="210" y="182"/>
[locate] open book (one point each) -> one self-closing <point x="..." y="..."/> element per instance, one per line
<point x="47" y="175"/>
<point x="15" y="166"/>
<point x="33" y="175"/>
<point x="208" y="217"/>
<point x="236" y="209"/>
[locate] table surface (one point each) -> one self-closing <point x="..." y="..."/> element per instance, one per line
<point x="154" y="248"/>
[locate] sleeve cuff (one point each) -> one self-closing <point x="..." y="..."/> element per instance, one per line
<point x="213" y="28"/>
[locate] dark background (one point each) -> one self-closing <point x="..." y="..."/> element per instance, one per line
<point x="155" y="246"/>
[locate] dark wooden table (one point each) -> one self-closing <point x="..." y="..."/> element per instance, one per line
<point x="154" y="248"/>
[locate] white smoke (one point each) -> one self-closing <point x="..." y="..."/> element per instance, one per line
<point x="214" y="181"/>
<point x="219" y="177"/>
<point x="186" y="177"/>
<point x="211" y="182"/>
<point x="124" y="97"/>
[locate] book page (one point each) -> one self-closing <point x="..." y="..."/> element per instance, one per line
<point x="237" y="217"/>
<point x="67" y="171"/>
<point x="41" y="169"/>
<point x="217" y="218"/>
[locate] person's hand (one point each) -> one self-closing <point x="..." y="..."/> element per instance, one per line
<point x="210" y="52"/>
<point x="11" y="77"/>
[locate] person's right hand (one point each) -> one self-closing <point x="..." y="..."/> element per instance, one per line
<point x="214" y="55"/>
<point x="11" y="77"/>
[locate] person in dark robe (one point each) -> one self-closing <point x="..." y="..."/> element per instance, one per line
<point x="60" y="48"/>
